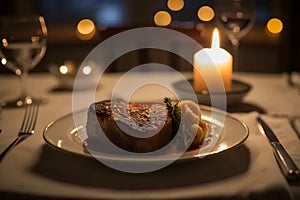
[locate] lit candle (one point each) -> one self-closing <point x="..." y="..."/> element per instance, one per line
<point x="210" y="64"/>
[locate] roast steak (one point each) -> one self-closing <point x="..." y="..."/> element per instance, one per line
<point x="134" y="127"/>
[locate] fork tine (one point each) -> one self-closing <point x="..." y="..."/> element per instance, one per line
<point x="35" y="110"/>
<point x="30" y="118"/>
<point x="25" y="118"/>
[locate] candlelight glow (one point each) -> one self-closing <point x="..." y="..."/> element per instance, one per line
<point x="206" y="13"/>
<point x="215" y="39"/>
<point x="28" y="100"/>
<point x="4" y="42"/>
<point x="86" y="29"/>
<point x="223" y="146"/>
<point x="87" y="70"/>
<point x="175" y="5"/>
<point x="274" y="25"/>
<point x="3" y="61"/>
<point x="206" y="61"/>
<point x="63" y="69"/>
<point x="59" y="143"/>
<point x="162" y="18"/>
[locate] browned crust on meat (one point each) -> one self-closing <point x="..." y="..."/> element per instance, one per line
<point x="100" y="113"/>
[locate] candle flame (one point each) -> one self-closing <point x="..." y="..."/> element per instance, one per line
<point x="215" y="39"/>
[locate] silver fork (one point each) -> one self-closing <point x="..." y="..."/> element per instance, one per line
<point x="27" y="127"/>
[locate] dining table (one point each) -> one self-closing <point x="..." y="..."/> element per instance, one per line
<point x="33" y="169"/>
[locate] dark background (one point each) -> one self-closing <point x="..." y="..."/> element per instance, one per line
<point x="259" y="52"/>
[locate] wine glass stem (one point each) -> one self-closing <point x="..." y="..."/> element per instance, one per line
<point x="23" y="77"/>
<point x="235" y="44"/>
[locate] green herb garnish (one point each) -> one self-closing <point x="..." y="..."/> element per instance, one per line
<point x="175" y="113"/>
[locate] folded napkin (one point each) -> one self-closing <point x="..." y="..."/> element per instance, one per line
<point x="290" y="141"/>
<point x="264" y="159"/>
<point x="248" y="171"/>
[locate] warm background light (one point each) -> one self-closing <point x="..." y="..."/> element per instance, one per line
<point x="3" y="61"/>
<point x="274" y="26"/>
<point x="206" y="13"/>
<point x="63" y="69"/>
<point x="162" y="18"/>
<point x="4" y="42"/>
<point x="86" y="29"/>
<point x="175" y="5"/>
<point x="87" y="70"/>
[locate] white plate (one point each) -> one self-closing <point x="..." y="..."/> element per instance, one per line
<point x="63" y="135"/>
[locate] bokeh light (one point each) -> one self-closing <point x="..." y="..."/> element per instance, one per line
<point x="162" y="18"/>
<point x="274" y="26"/>
<point x="175" y="5"/>
<point x="3" y="61"/>
<point x="63" y="69"/>
<point x="86" y="29"/>
<point x="87" y="70"/>
<point x="4" y="42"/>
<point x="206" y="13"/>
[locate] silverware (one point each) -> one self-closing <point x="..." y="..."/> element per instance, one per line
<point x="27" y="127"/>
<point x="286" y="163"/>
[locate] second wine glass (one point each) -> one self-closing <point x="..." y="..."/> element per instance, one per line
<point x="236" y="18"/>
<point x="22" y="46"/>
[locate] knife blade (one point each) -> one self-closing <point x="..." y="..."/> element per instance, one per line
<point x="286" y="163"/>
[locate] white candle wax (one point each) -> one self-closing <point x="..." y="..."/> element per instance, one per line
<point x="213" y="63"/>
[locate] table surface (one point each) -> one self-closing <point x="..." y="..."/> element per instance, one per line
<point x="36" y="171"/>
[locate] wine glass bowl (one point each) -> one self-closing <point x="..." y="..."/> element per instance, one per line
<point x="236" y="18"/>
<point x="22" y="46"/>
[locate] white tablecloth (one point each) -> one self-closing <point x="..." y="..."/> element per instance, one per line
<point x="33" y="170"/>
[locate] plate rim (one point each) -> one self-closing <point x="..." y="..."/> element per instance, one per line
<point x="111" y="157"/>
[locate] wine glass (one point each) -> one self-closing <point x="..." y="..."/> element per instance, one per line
<point x="22" y="46"/>
<point x="236" y="18"/>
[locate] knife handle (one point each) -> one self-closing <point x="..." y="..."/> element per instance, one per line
<point x="286" y="163"/>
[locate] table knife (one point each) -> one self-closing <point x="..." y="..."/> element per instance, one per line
<point x="286" y="163"/>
